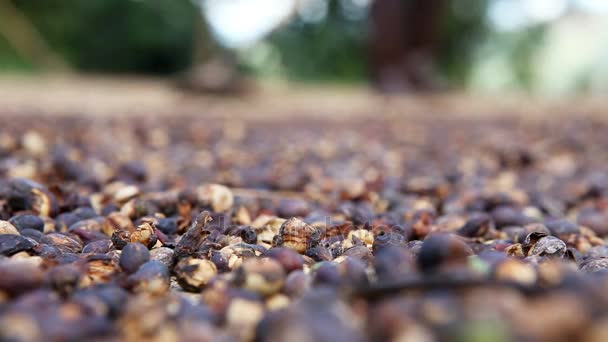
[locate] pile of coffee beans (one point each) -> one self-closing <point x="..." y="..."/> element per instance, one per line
<point x="410" y="229"/>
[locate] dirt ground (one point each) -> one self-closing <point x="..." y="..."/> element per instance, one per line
<point x="98" y="96"/>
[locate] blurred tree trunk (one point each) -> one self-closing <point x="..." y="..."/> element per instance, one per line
<point x="23" y="36"/>
<point x="403" y="44"/>
<point x="214" y="70"/>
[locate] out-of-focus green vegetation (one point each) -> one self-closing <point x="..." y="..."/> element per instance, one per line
<point x="10" y="59"/>
<point x="165" y="37"/>
<point x="464" y="28"/>
<point x="160" y="37"/>
<point x="332" y="49"/>
<point x="152" y="36"/>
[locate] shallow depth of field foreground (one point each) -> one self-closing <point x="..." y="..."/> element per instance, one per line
<point x="382" y="224"/>
<point x="303" y="170"/>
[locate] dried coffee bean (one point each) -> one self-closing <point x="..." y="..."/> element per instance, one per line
<point x="504" y="216"/>
<point x="63" y="242"/>
<point x="358" y="214"/>
<point x="574" y="255"/>
<point x="291" y="207"/>
<point x="27" y="221"/>
<point x="145" y="235"/>
<point x="221" y="261"/>
<point x="97" y="247"/>
<point x="192" y="240"/>
<point x="120" y="238"/>
<point x="64" y="220"/>
<point x="25" y="194"/>
<point x="359" y="252"/>
<point x="326" y="273"/>
<point x="514" y="270"/>
<point x="422" y="222"/>
<point x="442" y="249"/>
<point x="19" y="276"/>
<point x="163" y="239"/>
<point x="137" y="208"/>
<point x="594" y="265"/>
<point x="11" y="244"/>
<point x="353" y="272"/>
<point x="534" y="228"/>
<point x="63" y="278"/>
<point x="548" y="246"/>
<point x="7" y="228"/>
<point x="597" y="221"/>
<point x="163" y="255"/>
<point x="597" y="252"/>
<point x="392" y="263"/>
<point x="112" y="299"/>
<point x="99" y="269"/>
<point x="85" y="213"/>
<point x="151" y="277"/>
<point x="265" y="276"/>
<point x="364" y="235"/>
<point x="320" y="315"/>
<point x="319" y="253"/>
<point x="248" y="235"/>
<point x="33" y="234"/>
<point x="193" y="274"/>
<point x="243" y="315"/>
<point x="133" y="255"/>
<point x="122" y="193"/>
<point x="298" y="235"/>
<point x="167" y="225"/>
<point x="236" y="254"/>
<point x="297" y="283"/>
<point x="216" y="196"/>
<point x="108" y="209"/>
<point x="562" y="227"/>
<point x="88" y="230"/>
<point x="67" y="258"/>
<point x="117" y="221"/>
<point x="287" y="257"/>
<point x="48" y="252"/>
<point x="385" y="239"/>
<point x="132" y="171"/>
<point x="477" y="225"/>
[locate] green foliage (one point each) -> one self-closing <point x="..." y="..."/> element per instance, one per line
<point x="10" y="59"/>
<point x="522" y="53"/>
<point x="463" y="29"/>
<point x="330" y="50"/>
<point x="152" y="36"/>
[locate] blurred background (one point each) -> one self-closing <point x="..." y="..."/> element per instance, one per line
<point x="549" y="47"/>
